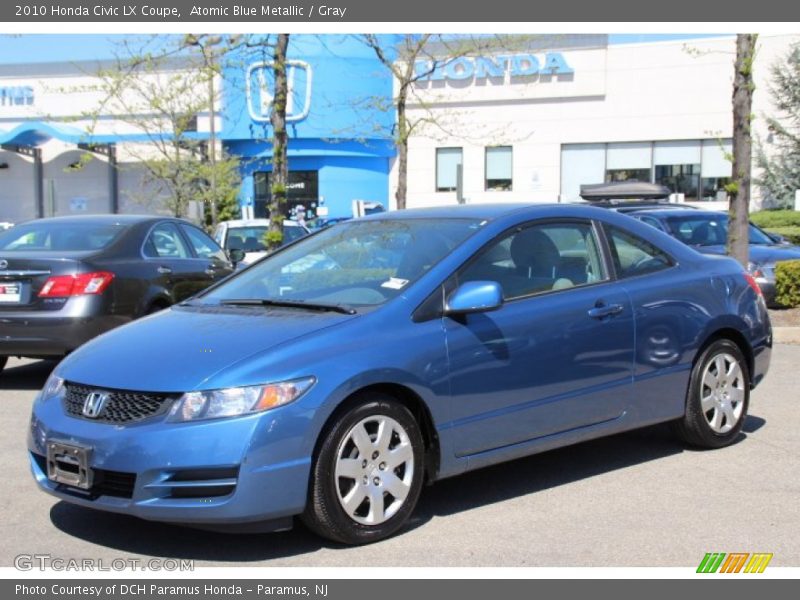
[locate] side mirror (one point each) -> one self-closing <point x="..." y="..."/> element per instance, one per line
<point x="236" y="255"/>
<point x="778" y="238"/>
<point x="474" y="297"/>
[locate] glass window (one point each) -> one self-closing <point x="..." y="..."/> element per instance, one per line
<point x="680" y="179"/>
<point x="652" y="221"/>
<point x="165" y="242"/>
<point x="716" y="156"/>
<point x="709" y="230"/>
<point x="581" y="164"/>
<point x="634" y="256"/>
<point x="60" y="236"/>
<point x="357" y="263"/>
<point x="302" y="194"/>
<point x="447" y="162"/>
<point x="204" y="246"/>
<point x="627" y="175"/>
<point x="251" y="238"/>
<point x="714" y="189"/>
<point x="498" y="168"/>
<point x="539" y="259"/>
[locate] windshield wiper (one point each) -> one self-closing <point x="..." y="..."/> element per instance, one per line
<point x="320" y="306"/>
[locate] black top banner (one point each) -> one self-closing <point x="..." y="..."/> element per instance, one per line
<point x="355" y="11"/>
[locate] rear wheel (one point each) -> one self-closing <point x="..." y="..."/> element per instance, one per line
<point x="719" y="393"/>
<point x="368" y="473"/>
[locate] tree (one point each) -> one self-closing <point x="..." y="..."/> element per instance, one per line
<point x="780" y="169"/>
<point x="739" y="188"/>
<point x="432" y="53"/>
<point x="158" y="93"/>
<point x="280" y="165"/>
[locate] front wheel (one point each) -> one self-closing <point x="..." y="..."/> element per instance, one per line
<point x="719" y="393"/>
<point x="368" y="473"/>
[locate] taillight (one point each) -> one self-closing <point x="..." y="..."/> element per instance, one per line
<point x="752" y="283"/>
<point x="80" y="284"/>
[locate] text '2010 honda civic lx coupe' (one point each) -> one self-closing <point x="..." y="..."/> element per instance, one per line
<point x="332" y="379"/>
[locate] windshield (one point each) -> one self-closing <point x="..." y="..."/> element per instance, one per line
<point x="251" y="239"/>
<point x="59" y="235"/>
<point x="357" y="263"/>
<point x="709" y="230"/>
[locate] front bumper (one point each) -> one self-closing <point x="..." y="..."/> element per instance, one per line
<point x="214" y="473"/>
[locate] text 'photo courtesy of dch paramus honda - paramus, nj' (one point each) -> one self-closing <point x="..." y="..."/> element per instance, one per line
<point x="332" y="379"/>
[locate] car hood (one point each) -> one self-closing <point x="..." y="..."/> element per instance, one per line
<point x="759" y="253"/>
<point x="181" y="349"/>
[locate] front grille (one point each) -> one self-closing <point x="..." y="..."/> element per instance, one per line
<point x="106" y="483"/>
<point x="121" y="406"/>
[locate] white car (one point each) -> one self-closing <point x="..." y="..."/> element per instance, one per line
<point x="248" y="235"/>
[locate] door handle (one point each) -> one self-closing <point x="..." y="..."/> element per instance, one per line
<point x="605" y="310"/>
<point x="164" y="270"/>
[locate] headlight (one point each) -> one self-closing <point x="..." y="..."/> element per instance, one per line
<point x="234" y="402"/>
<point x="53" y="388"/>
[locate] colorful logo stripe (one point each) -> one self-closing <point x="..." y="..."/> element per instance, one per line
<point x="735" y="562"/>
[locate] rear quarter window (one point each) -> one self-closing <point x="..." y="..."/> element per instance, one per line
<point x="634" y="256"/>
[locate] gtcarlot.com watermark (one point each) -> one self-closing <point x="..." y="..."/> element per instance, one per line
<point x="48" y="562"/>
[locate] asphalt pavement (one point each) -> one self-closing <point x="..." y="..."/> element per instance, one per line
<point x="636" y="499"/>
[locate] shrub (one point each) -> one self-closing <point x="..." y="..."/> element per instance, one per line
<point x="787" y="283"/>
<point x="771" y="219"/>
<point x="792" y="234"/>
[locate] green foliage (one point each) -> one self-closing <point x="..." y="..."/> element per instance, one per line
<point x="779" y="157"/>
<point x="273" y="238"/>
<point x="787" y="283"/>
<point x="792" y="234"/>
<point x="162" y="103"/>
<point x="769" y="219"/>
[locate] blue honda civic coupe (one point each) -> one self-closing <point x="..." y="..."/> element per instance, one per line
<point x="333" y="378"/>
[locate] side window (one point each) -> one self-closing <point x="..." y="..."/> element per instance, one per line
<point x="539" y="258"/>
<point x="634" y="256"/>
<point x="650" y="221"/>
<point x="203" y="245"/>
<point x="165" y="242"/>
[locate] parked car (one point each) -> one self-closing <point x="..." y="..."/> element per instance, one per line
<point x="486" y="333"/>
<point x="707" y="232"/>
<point x="65" y="280"/>
<point x="248" y="235"/>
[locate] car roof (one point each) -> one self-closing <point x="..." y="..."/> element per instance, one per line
<point x="461" y="211"/>
<point x="104" y="218"/>
<point x="677" y="212"/>
<point x="255" y="222"/>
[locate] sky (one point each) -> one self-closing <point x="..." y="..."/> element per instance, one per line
<point x="35" y="48"/>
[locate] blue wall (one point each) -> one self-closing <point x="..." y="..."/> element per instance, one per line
<point x="346" y="135"/>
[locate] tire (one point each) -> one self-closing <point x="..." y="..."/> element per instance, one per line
<point x="716" y="406"/>
<point x="368" y="473"/>
<point x="3" y="361"/>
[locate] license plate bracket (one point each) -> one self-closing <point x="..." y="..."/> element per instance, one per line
<point x="68" y="464"/>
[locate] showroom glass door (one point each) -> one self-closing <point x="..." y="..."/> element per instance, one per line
<point x="302" y="192"/>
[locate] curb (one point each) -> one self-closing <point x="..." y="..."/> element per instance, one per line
<point x="786" y="335"/>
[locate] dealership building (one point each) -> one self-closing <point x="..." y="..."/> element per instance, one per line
<point x="528" y="123"/>
<point x="533" y="126"/>
<point x="53" y="115"/>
